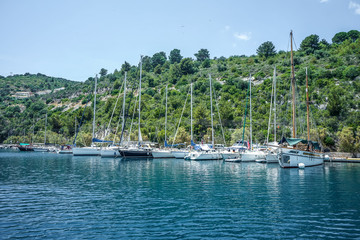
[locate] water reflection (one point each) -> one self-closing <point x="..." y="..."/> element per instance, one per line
<point x="172" y="198"/>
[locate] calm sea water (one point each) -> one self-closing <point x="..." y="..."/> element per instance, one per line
<point x="49" y="196"/>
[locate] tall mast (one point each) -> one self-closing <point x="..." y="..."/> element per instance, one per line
<point x="275" y="104"/>
<point x="166" y="95"/>
<point x="123" y="112"/>
<point x="212" y="122"/>
<point x="293" y="86"/>
<point x="251" y="145"/>
<point x="139" y="132"/>
<point x="191" y="107"/>
<point x="271" y="101"/>
<point x="93" y="131"/>
<point x="45" y="129"/>
<point x="245" y="113"/>
<point x="307" y="107"/>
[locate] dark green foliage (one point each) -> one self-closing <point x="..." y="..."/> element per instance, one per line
<point x="125" y="67"/>
<point x="310" y="44"/>
<point x="353" y="35"/>
<point x="103" y="72"/>
<point x="266" y="49"/>
<point x="339" y="37"/>
<point x="158" y="59"/>
<point x="187" y="66"/>
<point x="202" y="55"/>
<point x="175" y="56"/>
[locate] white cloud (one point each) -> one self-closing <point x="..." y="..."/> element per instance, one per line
<point x="243" y="36"/>
<point x="356" y="6"/>
<point x="323" y="1"/>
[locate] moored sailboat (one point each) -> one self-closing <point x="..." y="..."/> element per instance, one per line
<point x="295" y="152"/>
<point x="93" y="150"/>
<point x="210" y="153"/>
<point x="140" y="150"/>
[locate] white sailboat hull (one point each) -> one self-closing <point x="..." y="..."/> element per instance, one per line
<point x="110" y="153"/>
<point x="201" y="156"/>
<point x="291" y="158"/>
<point x="162" y="154"/>
<point x="179" y="154"/>
<point x="230" y="155"/>
<point x="86" y="151"/>
<point x="251" y="156"/>
<point x="271" y="158"/>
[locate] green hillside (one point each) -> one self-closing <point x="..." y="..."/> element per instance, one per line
<point x="334" y="81"/>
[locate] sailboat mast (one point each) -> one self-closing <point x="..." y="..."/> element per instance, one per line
<point x="123" y="112"/>
<point x="251" y="145"/>
<point x="275" y="104"/>
<point x="245" y="113"/>
<point x="271" y="101"/>
<point x="211" y="112"/>
<point x="93" y="131"/>
<point x="45" y="129"/>
<point x="166" y="96"/>
<point x="307" y="107"/>
<point x="293" y="86"/>
<point x="139" y="132"/>
<point x="191" y="107"/>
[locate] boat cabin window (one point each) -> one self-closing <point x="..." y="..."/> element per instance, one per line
<point x="286" y="159"/>
<point x="294" y="151"/>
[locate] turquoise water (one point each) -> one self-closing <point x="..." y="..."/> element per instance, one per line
<point x="49" y="196"/>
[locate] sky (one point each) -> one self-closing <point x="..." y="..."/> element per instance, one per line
<point x="74" y="39"/>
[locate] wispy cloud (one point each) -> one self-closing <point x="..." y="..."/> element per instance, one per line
<point x="356" y="6"/>
<point x="243" y="36"/>
<point x="323" y="1"/>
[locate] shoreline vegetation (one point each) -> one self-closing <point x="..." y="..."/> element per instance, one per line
<point x="334" y="84"/>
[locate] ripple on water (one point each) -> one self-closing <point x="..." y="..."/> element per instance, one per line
<point x="50" y="196"/>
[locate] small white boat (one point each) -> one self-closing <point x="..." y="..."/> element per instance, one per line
<point x="180" y="154"/>
<point x="228" y="154"/>
<point x="86" y="151"/>
<point x="203" y="155"/>
<point x="252" y="156"/>
<point x="162" y="153"/>
<point x="235" y="159"/>
<point x="110" y="152"/>
<point x="271" y="157"/>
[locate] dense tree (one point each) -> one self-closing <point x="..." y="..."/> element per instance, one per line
<point x="340" y="37"/>
<point x="187" y="66"/>
<point x="125" y="67"/>
<point x="175" y="56"/>
<point x="353" y="35"/>
<point x="158" y="59"/>
<point x="202" y="55"/>
<point x="310" y="44"/>
<point x="147" y="63"/>
<point x="266" y="49"/>
<point x="103" y="72"/>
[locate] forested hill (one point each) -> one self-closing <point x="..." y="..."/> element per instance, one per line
<point x="334" y="81"/>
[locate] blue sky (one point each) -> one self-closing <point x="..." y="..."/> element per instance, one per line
<point x="74" y="39"/>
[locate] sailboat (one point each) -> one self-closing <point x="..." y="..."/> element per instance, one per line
<point x="271" y="154"/>
<point x="141" y="150"/>
<point x="92" y="150"/>
<point x="35" y="147"/>
<point x="251" y="154"/>
<point x="182" y="153"/>
<point x="113" y="151"/>
<point x="296" y="152"/>
<point x="206" y="152"/>
<point x="163" y="153"/>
